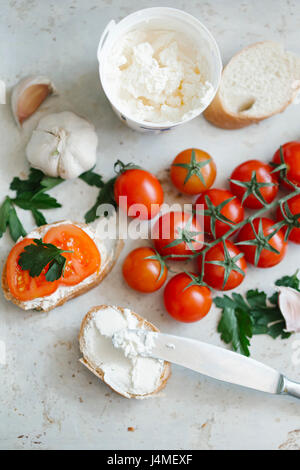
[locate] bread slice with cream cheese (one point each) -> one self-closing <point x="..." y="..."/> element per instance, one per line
<point x="140" y="377"/>
<point x="259" y="81"/>
<point x="109" y="251"/>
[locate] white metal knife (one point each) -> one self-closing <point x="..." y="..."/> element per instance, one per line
<point x="218" y="363"/>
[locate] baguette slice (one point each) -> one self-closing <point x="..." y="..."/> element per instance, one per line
<point x="99" y="372"/>
<point x="258" y="82"/>
<point x="113" y="249"/>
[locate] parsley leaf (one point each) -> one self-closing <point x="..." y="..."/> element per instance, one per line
<point x="105" y="196"/>
<point x="236" y="328"/>
<point x="267" y="319"/>
<point x="92" y="178"/>
<point x="40" y="200"/>
<point x="4" y="215"/>
<point x="16" y="228"/>
<point x="38" y="217"/>
<point x="253" y="315"/>
<point x="32" y="184"/>
<point x="38" y="255"/>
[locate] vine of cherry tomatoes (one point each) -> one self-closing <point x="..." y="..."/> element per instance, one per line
<point x="221" y="263"/>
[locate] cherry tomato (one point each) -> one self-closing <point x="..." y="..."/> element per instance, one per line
<point x="141" y="188"/>
<point x="144" y="275"/>
<point x="291" y="157"/>
<point x="293" y="205"/>
<point x="193" y="171"/>
<point x="263" y="227"/>
<point x="233" y="211"/>
<point x="85" y="259"/>
<point x="22" y="286"/>
<point x="180" y="230"/>
<point x="214" y="273"/>
<point x="186" y="304"/>
<point x="255" y="173"/>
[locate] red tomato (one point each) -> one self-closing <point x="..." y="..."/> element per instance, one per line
<point x="254" y="172"/>
<point x="141" y="188"/>
<point x="143" y="275"/>
<point x="267" y="258"/>
<point x="85" y="259"/>
<point x="21" y="285"/>
<point x="294" y="207"/>
<point x="233" y="211"/>
<point x="172" y="227"/>
<point x="214" y="274"/>
<point x="291" y="157"/>
<point x="186" y="304"/>
<point x="192" y="163"/>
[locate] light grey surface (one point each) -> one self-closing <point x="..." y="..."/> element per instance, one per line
<point x="47" y="399"/>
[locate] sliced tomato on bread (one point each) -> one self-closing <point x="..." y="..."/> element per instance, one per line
<point x="22" y="286"/>
<point x="85" y="258"/>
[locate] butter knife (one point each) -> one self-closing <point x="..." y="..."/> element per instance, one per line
<point x="219" y="363"/>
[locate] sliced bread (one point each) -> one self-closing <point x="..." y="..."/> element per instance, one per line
<point x="259" y="81"/>
<point x="101" y="358"/>
<point x="110" y="251"/>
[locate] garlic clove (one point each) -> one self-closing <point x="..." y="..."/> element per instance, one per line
<point x="289" y="304"/>
<point x="29" y="93"/>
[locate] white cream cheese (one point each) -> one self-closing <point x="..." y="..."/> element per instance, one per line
<point x="128" y="374"/>
<point x="50" y="300"/>
<point x="134" y="342"/>
<point x="158" y="76"/>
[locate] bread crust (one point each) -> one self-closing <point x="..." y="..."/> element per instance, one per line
<point x="217" y="114"/>
<point x="112" y="259"/>
<point x="99" y="372"/>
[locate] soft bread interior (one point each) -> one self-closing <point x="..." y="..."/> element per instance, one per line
<point x="260" y="80"/>
<point x="138" y="378"/>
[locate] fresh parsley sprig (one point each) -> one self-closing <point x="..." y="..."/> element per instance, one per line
<point x="30" y="195"/>
<point x="255" y="314"/>
<point x="38" y="255"/>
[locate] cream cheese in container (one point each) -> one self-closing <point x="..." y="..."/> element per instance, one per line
<point x="159" y="68"/>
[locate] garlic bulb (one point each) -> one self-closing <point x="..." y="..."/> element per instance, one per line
<point x="289" y="304"/>
<point x="28" y="94"/>
<point x="63" y="144"/>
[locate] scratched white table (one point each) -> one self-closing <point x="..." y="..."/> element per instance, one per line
<point x="47" y="399"/>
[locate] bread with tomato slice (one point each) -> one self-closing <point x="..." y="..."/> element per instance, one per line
<point x="51" y="295"/>
<point x="259" y="81"/>
<point x="131" y="377"/>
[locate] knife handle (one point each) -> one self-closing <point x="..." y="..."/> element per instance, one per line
<point x="291" y="388"/>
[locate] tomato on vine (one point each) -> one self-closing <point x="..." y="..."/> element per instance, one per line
<point x="222" y="210"/>
<point x="262" y="242"/>
<point x="224" y="267"/>
<point x="140" y="188"/>
<point x="186" y="299"/>
<point x="177" y="234"/>
<point x="254" y="183"/>
<point x="289" y="211"/>
<point x="287" y="161"/>
<point x="144" y="270"/>
<point x="193" y="171"/>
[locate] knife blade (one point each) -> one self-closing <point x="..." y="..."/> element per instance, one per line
<point x="218" y="363"/>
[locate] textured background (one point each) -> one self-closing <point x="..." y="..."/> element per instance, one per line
<point x="47" y="399"/>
